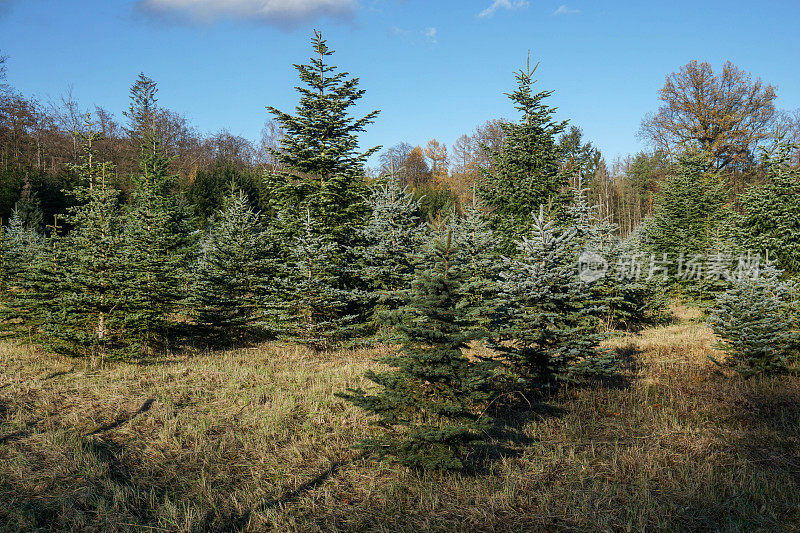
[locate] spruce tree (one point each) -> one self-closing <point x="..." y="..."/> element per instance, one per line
<point x="31" y="277"/>
<point x="482" y="264"/>
<point x="624" y="302"/>
<point x="636" y="303"/>
<point x="89" y="261"/>
<point x="320" y="141"/>
<point x="319" y="150"/>
<point x="546" y="325"/>
<point x="29" y="209"/>
<point x="755" y="323"/>
<point x="524" y="173"/>
<point x="234" y="278"/>
<point x="692" y="220"/>
<point x="156" y="228"/>
<point x="20" y="242"/>
<point x="19" y="245"/>
<point x="391" y="239"/>
<point x="9" y="266"/>
<point x="314" y="303"/>
<point x="430" y="404"/>
<point x="323" y="181"/>
<point x="690" y="210"/>
<point x="5" y="275"/>
<point x="770" y="217"/>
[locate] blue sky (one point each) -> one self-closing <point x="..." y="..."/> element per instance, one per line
<point x="435" y="69"/>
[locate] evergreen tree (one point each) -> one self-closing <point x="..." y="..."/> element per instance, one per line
<point x="314" y="303"/>
<point x="156" y="228"/>
<point x="90" y="262"/>
<point x="624" y="302"/>
<point x="29" y="209"/>
<point x="392" y="238"/>
<point x="29" y="279"/>
<point x="755" y="324"/>
<point x="478" y="253"/>
<point x="319" y="147"/>
<point x="320" y="141"/>
<point x="431" y="402"/>
<point x="690" y="209"/>
<point x="17" y="253"/>
<point x="524" y="173"/>
<point x="20" y="242"/>
<point x="546" y="326"/>
<point x="692" y="221"/>
<point x="234" y="278"/>
<point x="770" y="217"/>
<point x="5" y="275"/>
<point x="322" y="181"/>
<point x="636" y="302"/>
<point x="209" y="190"/>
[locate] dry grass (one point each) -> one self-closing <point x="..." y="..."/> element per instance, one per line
<point x="254" y="440"/>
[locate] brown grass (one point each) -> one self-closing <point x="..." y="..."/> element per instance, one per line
<point x="254" y="440"/>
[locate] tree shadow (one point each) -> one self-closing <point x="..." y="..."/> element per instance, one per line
<point x="238" y="522"/>
<point x="120" y="421"/>
<point x="511" y="413"/>
<point x="769" y="419"/>
<point x="58" y="374"/>
<point x="15" y="436"/>
<point x="194" y="337"/>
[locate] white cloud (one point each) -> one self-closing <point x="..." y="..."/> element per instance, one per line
<point x="430" y="34"/>
<point x="503" y="4"/>
<point x="564" y="10"/>
<point x="267" y="11"/>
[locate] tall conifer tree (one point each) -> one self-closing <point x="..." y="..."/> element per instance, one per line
<point x="156" y="231"/>
<point x="29" y="209"/>
<point x="319" y="149"/>
<point x="524" y="173"/>
<point x="323" y="182"/>
<point x="628" y="303"/>
<point x="91" y="265"/>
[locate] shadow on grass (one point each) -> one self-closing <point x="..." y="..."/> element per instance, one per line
<point x="15" y="436"/>
<point x="507" y="436"/>
<point x="512" y="412"/>
<point x="120" y="421"/>
<point x="239" y="522"/>
<point x="768" y="412"/>
<point x="59" y="374"/>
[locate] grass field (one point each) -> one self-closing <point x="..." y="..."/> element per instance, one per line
<point x="254" y="440"/>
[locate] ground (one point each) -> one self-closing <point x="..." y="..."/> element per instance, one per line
<point x="255" y="440"/>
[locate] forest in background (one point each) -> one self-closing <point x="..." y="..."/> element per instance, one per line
<point x="37" y="145"/>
